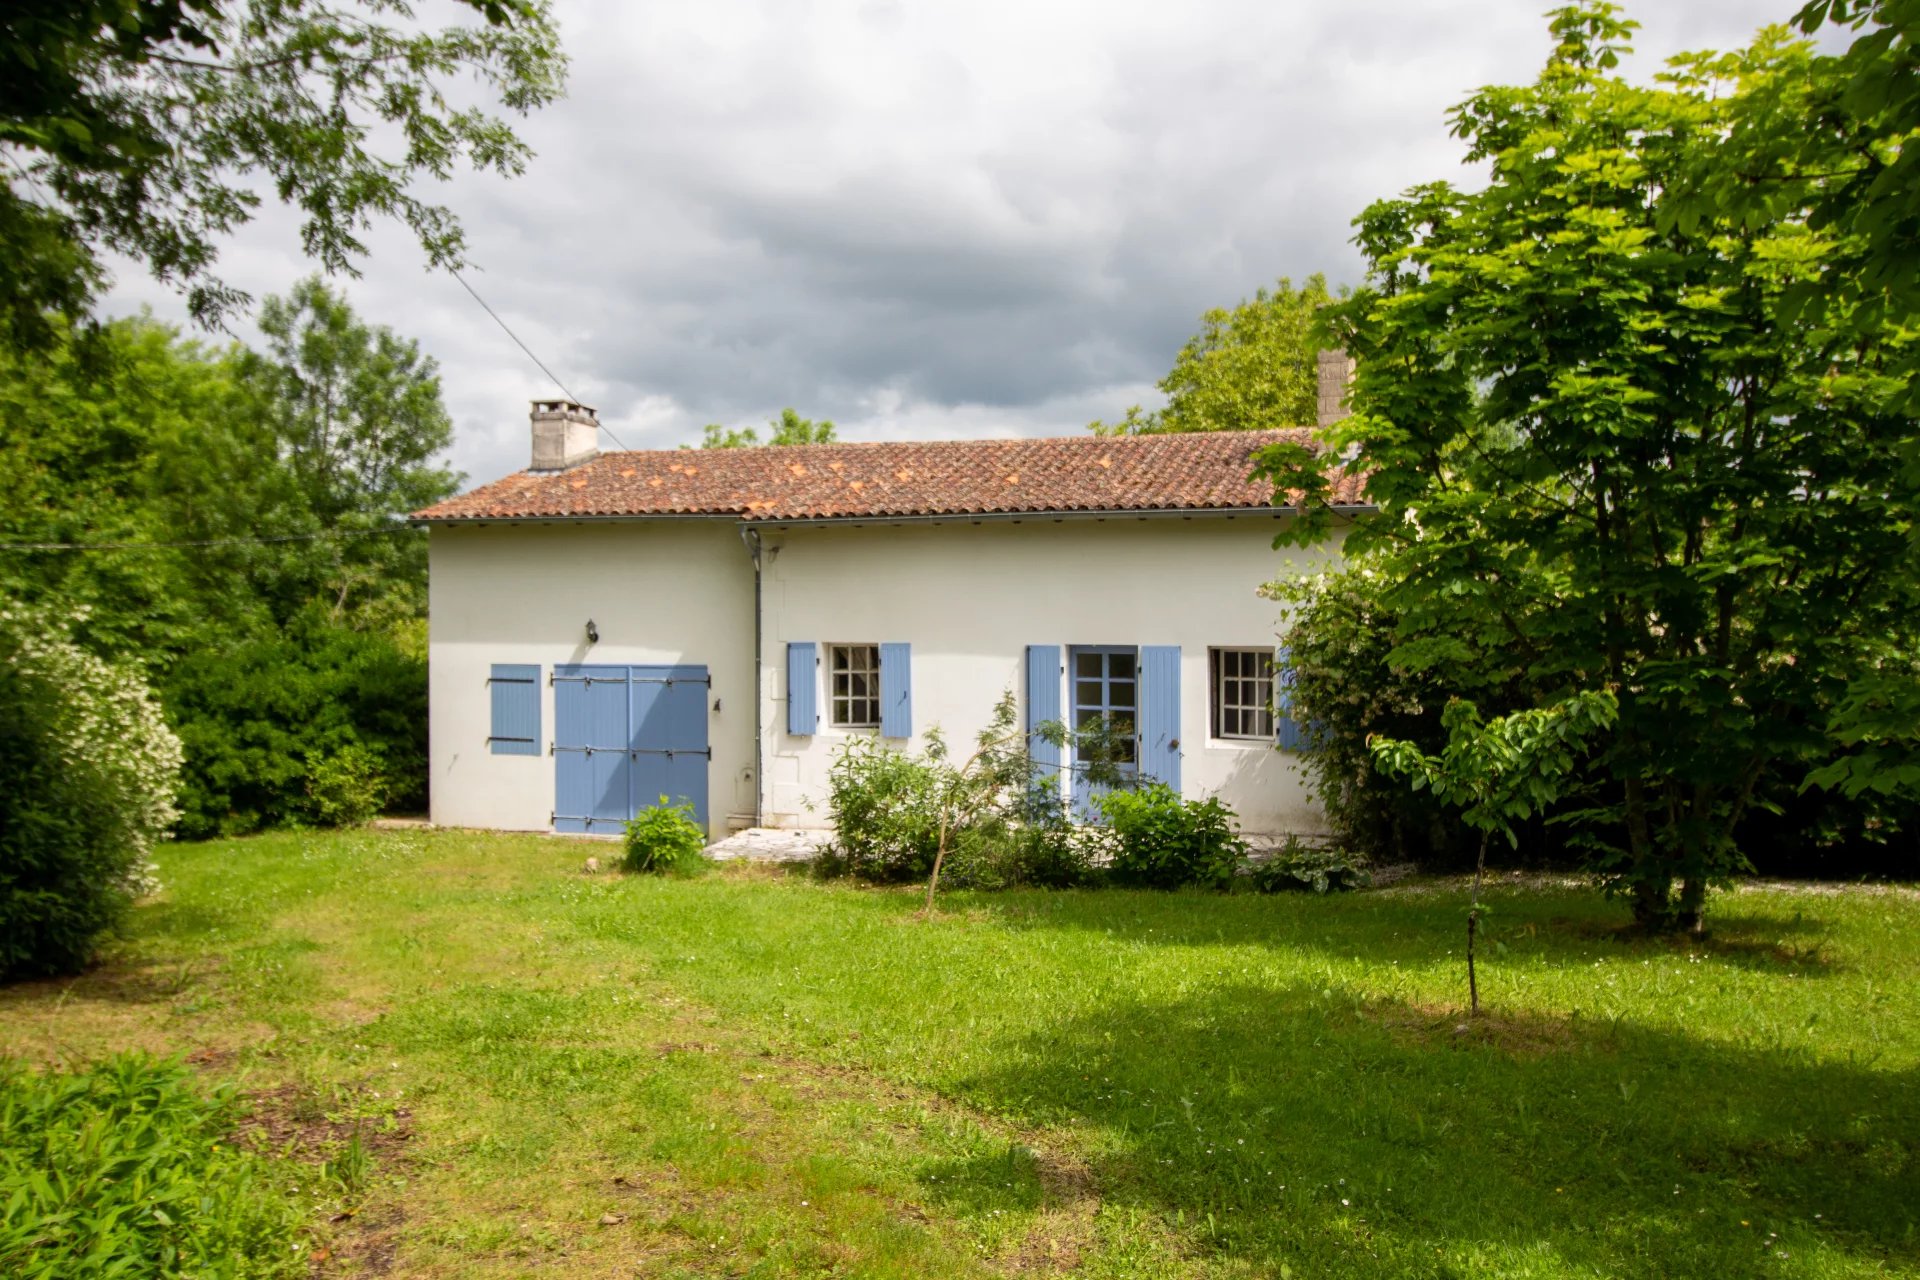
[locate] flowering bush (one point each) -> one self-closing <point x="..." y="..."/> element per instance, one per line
<point x="88" y="772"/>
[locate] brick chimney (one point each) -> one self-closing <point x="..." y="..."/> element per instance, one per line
<point x="1336" y="372"/>
<point x="565" y="434"/>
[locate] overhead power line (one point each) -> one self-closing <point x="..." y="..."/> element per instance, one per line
<point x="260" y="541"/>
<point x="529" y="350"/>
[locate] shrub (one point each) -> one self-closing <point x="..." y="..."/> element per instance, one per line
<point x="88" y="771"/>
<point x="1165" y="842"/>
<point x="886" y="813"/>
<point x="256" y="712"/>
<point x="1342" y="683"/>
<point x="347" y="787"/>
<point x="1054" y="855"/>
<point x="1005" y="827"/>
<point x="124" y="1169"/>
<point x="664" y="838"/>
<point x="1302" y="868"/>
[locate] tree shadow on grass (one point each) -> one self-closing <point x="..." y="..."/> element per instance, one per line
<point x="1344" y="1135"/>
<point x="1556" y="930"/>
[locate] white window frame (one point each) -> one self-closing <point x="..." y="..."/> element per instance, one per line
<point x="1252" y="692"/>
<point x="841" y="661"/>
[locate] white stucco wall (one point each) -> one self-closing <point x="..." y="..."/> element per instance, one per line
<point x="660" y="592"/>
<point x="970" y="598"/>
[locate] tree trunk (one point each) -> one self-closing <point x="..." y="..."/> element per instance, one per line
<point x="1693" y="902"/>
<point x="939" y="856"/>
<point x="1652" y="902"/>
<point x="1473" y="928"/>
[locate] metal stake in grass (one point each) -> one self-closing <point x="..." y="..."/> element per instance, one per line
<point x="1498" y="772"/>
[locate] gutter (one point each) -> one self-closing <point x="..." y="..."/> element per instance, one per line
<point x="751" y="537"/>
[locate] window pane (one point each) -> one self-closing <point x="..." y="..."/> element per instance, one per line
<point x="1086" y="693"/>
<point x="1086" y="665"/>
<point x="1243" y="693"/>
<point x="854" y="698"/>
<point x="1120" y="664"/>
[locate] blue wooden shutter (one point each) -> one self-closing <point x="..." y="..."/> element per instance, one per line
<point x="1043" y="703"/>
<point x="516" y="710"/>
<point x="1160" y="713"/>
<point x="668" y="723"/>
<point x="1286" y="730"/>
<point x="572" y="781"/>
<point x="896" y="691"/>
<point x="803" y="710"/>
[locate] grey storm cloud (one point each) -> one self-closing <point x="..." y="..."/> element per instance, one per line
<point x="927" y="219"/>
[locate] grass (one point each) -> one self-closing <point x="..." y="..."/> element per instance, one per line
<point x="750" y="1074"/>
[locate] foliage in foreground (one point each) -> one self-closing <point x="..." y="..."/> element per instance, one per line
<point x="126" y="1169"/>
<point x="88" y="770"/>
<point x="150" y="131"/>
<point x="1614" y="445"/>
<point x="663" y="838"/>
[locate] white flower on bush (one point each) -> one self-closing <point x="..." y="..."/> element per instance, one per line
<point x="92" y="765"/>
<point x="109" y="724"/>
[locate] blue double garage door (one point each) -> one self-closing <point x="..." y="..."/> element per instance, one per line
<point x="623" y="738"/>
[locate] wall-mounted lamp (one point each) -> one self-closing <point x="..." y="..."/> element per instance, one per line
<point x="593" y="632"/>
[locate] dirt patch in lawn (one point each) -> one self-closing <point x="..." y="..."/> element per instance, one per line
<point x="297" y="1121"/>
<point x="1528" y="1035"/>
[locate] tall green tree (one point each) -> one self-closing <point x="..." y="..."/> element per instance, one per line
<point x="788" y="428"/>
<point x="1843" y="153"/>
<point x="1611" y="448"/>
<point x="356" y="417"/>
<point x="148" y="128"/>
<point x="1249" y="368"/>
<point x="225" y="518"/>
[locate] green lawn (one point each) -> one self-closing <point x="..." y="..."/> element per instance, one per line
<point x="750" y="1074"/>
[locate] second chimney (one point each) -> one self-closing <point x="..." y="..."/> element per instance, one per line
<point x="565" y="434"/>
<point x="1336" y="372"/>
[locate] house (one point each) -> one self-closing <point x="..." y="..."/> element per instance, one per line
<point x="609" y="628"/>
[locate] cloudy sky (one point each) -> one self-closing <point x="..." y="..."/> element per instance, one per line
<point x="925" y="219"/>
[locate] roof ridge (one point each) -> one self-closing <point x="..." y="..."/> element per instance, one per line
<point x="878" y="479"/>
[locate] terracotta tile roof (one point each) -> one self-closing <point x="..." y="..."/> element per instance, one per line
<point x="1198" y="472"/>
